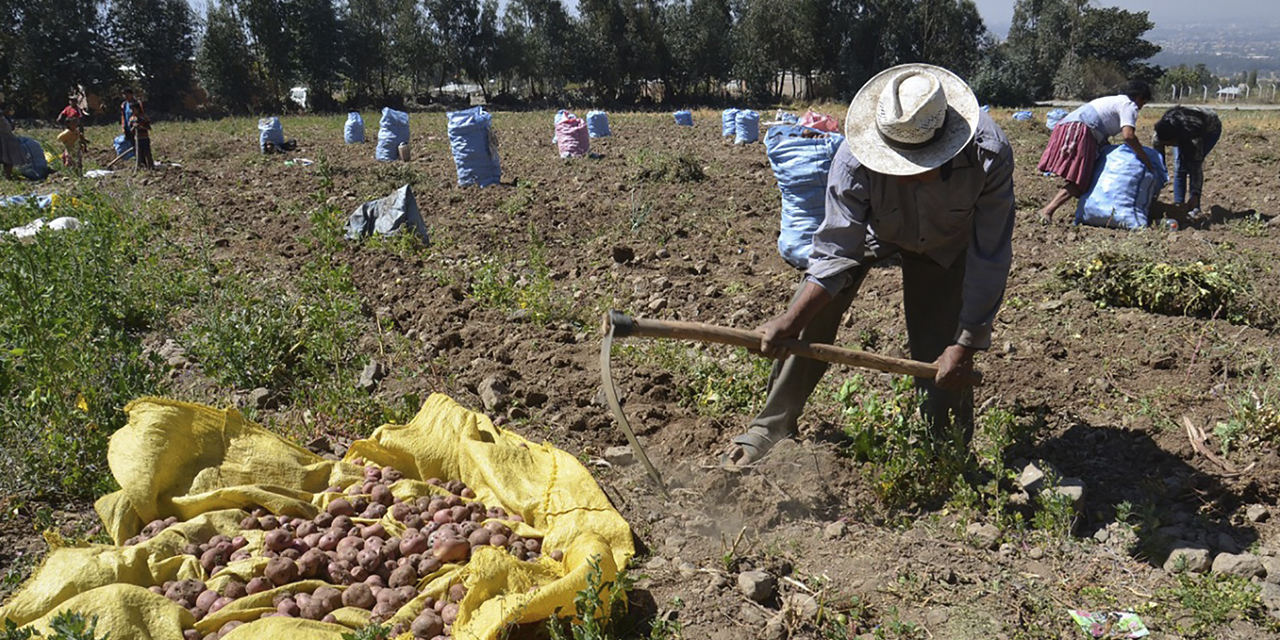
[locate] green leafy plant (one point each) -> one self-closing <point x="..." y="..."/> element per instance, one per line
<point x="371" y="631"/>
<point x="66" y="625"/>
<point x="1255" y="418"/>
<point x="600" y="607"/>
<point x="912" y="466"/>
<point x="1213" y="600"/>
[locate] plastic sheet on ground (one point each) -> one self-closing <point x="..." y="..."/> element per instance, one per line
<point x="1023" y="115"/>
<point x="684" y="118"/>
<point x="386" y="216"/>
<point x="98" y="173"/>
<point x="123" y="147"/>
<point x="65" y="223"/>
<point x="208" y="467"/>
<point x="801" y="159"/>
<point x="598" y="124"/>
<point x="1122" y="190"/>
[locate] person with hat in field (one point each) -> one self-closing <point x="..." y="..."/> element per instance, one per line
<point x="925" y="176"/>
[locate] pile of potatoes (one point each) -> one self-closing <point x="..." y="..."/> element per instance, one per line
<point x="378" y="571"/>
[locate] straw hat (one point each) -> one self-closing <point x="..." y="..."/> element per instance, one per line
<point x="910" y="119"/>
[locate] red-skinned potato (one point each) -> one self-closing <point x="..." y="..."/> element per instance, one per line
<point x="341" y="507"/>
<point x="290" y="554"/>
<point x="329" y="598"/>
<point x="276" y="540"/>
<point x="427" y="625"/>
<point x="220" y="603"/>
<point x="374" y="511"/>
<point x="358" y="595"/>
<point x="258" y="585"/>
<point x="451" y="550"/>
<point x="329" y="618"/>
<point x="234" y="589"/>
<point x="428" y="566"/>
<point x="391" y="475"/>
<point x="206" y="598"/>
<point x="289" y="607"/>
<point x="156" y="589"/>
<point x="557" y="555"/>
<point x="457" y="592"/>
<point x="449" y="613"/>
<point x="312" y="563"/>
<point x="281" y="571"/>
<point x="404" y="575"/>
<point x="382" y="495"/>
<point x="383" y="612"/>
<point x="191" y="634"/>
<point x="268" y="523"/>
<point x="414" y="543"/>
<point x="479" y="537"/>
<point x="375" y="530"/>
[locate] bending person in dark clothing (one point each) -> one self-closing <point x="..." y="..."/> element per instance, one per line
<point x="1192" y="132"/>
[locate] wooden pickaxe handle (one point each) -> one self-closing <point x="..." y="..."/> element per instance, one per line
<point x="626" y="326"/>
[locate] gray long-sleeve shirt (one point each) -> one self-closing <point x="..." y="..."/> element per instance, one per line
<point x="970" y="213"/>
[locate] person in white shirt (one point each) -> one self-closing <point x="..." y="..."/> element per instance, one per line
<point x="1073" y="146"/>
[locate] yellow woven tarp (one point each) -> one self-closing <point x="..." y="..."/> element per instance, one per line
<point x="209" y="467"/>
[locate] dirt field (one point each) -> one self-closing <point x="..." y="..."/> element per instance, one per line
<point x="675" y="223"/>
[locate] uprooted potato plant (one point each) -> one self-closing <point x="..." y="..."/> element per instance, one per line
<point x="1186" y="288"/>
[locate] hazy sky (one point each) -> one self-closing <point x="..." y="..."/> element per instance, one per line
<point x="998" y="13"/>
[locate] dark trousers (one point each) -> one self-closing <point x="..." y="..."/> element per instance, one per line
<point x="142" y="147"/>
<point x="931" y="302"/>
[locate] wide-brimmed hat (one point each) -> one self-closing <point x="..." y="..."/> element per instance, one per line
<point x="910" y="119"/>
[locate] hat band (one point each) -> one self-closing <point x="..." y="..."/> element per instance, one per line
<point x="916" y="146"/>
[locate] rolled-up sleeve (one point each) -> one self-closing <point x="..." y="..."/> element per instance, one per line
<point x="990" y="252"/>
<point x="838" y="243"/>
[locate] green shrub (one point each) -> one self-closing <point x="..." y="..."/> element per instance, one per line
<point x="73" y="307"/>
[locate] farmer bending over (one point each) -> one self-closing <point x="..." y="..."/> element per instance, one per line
<point x="1192" y="132"/>
<point x="924" y="175"/>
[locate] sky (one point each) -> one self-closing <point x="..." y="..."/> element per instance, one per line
<point x="999" y="13"/>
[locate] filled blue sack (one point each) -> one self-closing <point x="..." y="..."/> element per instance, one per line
<point x="474" y="149"/>
<point x="1122" y="189"/>
<point x="598" y="124"/>
<point x="684" y="118"/>
<point x="123" y="146"/>
<point x="746" y="127"/>
<point x="801" y="159"/>
<point x="35" y="166"/>
<point x="393" y="129"/>
<point x="729" y="122"/>
<point x="1052" y="118"/>
<point x="787" y="117"/>
<point x="1023" y="116"/>
<point x="353" y="131"/>
<point x="270" y="130"/>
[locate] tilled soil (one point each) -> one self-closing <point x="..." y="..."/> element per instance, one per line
<point x="1107" y="388"/>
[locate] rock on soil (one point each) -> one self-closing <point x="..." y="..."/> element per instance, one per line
<point x="983" y="535"/>
<point x="620" y="456"/>
<point x="1245" y="564"/>
<point x="1196" y="559"/>
<point x="493" y="393"/>
<point x="756" y="585"/>
<point x="370" y="376"/>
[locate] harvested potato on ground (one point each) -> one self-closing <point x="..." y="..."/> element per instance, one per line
<point x="281" y="571"/>
<point x="359" y="595"/>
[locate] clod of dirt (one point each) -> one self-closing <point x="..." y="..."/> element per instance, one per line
<point x="756" y="585"/>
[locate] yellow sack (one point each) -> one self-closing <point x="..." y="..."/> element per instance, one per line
<point x="209" y="467"/>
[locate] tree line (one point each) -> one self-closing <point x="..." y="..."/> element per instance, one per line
<point x="246" y="54"/>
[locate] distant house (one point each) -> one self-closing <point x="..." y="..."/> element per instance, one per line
<point x="1227" y="94"/>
